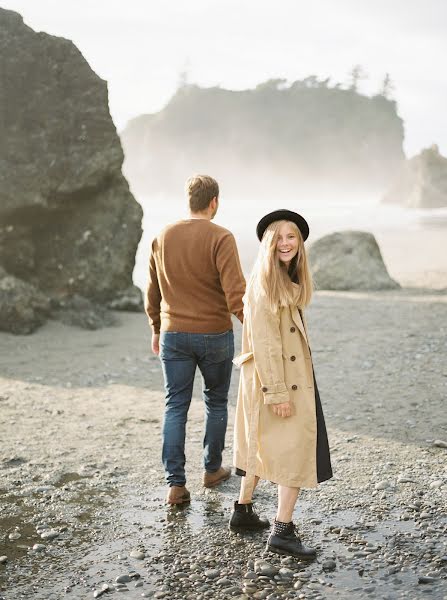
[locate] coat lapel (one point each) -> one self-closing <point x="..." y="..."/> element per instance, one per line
<point x="298" y="322"/>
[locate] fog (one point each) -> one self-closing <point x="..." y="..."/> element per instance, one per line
<point x="412" y="241"/>
<point x="143" y="49"/>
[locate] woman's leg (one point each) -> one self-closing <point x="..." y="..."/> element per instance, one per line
<point x="244" y="493"/>
<point x="283" y="539"/>
<point x="287" y="498"/>
<point x="243" y="517"/>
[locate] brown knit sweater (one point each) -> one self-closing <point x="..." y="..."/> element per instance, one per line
<point x="195" y="279"/>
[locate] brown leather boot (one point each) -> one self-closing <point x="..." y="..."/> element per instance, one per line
<point x="210" y="480"/>
<point x="178" y="494"/>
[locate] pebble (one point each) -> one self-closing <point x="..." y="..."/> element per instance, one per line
<point x="262" y="567"/>
<point x="329" y="565"/>
<point x="15" y="535"/>
<point x="137" y="554"/>
<point x="44" y="488"/>
<point x="38" y="547"/>
<point x="123" y="579"/>
<point x="440" y="444"/>
<point x="405" y="479"/>
<point x="3" y="559"/>
<point x="383" y="485"/>
<point x="436" y="484"/>
<point x="426" y="579"/>
<point x="51" y="534"/>
<point x="284" y="572"/>
<point x="138" y="584"/>
<point x="212" y="573"/>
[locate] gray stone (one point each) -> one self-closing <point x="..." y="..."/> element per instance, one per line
<point x="81" y="312"/>
<point x="15" y="535"/>
<point x="68" y="222"/>
<point x="286" y="573"/>
<point x="23" y="308"/>
<point x="262" y="567"/>
<point x="49" y="534"/>
<point x="329" y="565"/>
<point x="129" y="299"/>
<point x="440" y="444"/>
<point x="212" y="573"/>
<point x="38" y="547"/>
<point x="426" y="579"/>
<point x="436" y="484"/>
<point x="383" y="485"/>
<point x="137" y="554"/>
<point x="349" y="260"/>
<point x="3" y="559"/>
<point x="123" y="579"/>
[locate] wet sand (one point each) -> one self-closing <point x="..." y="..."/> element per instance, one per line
<point x="80" y="435"/>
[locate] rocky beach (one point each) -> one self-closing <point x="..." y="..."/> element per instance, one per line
<point x="82" y="512"/>
<point x="82" y="491"/>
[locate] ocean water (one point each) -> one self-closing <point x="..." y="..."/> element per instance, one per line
<point x="413" y="242"/>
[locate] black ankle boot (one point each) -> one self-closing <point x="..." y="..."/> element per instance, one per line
<point x="243" y="518"/>
<point x="287" y="542"/>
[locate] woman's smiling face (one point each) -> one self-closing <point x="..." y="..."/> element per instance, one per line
<point x="287" y="244"/>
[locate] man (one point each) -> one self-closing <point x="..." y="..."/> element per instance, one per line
<point x="195" y="283"/>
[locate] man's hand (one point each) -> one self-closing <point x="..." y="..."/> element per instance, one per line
<point x="156" y="343"/>
<point x="282" y="410"/>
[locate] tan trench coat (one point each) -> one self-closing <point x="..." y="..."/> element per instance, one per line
<point x="276" y="367"/>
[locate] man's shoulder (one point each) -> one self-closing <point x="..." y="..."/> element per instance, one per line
<point x="186" y="226"/>
<point x="220" y="232"/>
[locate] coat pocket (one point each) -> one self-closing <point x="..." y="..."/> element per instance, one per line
<point x="241" y="358"/>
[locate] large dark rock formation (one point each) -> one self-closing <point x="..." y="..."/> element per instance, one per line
<point x="68" y="223"/>
<point x="273" y="139"/>
<point x="421" y="182"/>
<point x="349" y="260"/>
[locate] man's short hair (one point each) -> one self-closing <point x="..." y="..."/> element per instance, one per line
<point x="201" y="189"/>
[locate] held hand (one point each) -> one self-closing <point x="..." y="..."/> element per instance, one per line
<point x="156" y="343"/>
<point x="282" y="410"/>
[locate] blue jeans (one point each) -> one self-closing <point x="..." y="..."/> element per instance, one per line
<point x="180" y="354"/>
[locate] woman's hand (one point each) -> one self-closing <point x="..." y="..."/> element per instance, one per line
<point x="282" y="410"/>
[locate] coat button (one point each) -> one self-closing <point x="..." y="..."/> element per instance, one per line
<point x="293" y="358"/>
<point x="264" y="389"/>
<point x="292" y="330"/>
<point x="294" y="387"/>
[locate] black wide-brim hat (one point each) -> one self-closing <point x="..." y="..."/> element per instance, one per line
<point x="283" y="215"/>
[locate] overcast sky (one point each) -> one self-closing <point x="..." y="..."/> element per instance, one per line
<point x="142" y="46"/>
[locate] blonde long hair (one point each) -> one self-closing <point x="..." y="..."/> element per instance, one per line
<point x="273" y="278"/>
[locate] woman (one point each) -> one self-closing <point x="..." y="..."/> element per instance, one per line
<point x="280" y="434"/>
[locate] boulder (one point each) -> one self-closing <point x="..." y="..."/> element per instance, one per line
<point x="80" y="312"/>
<point x="69" y="225"/>
<point x="23" y="308"/>
<point x="421" y="182"/>
<point x="349" y="260"/>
